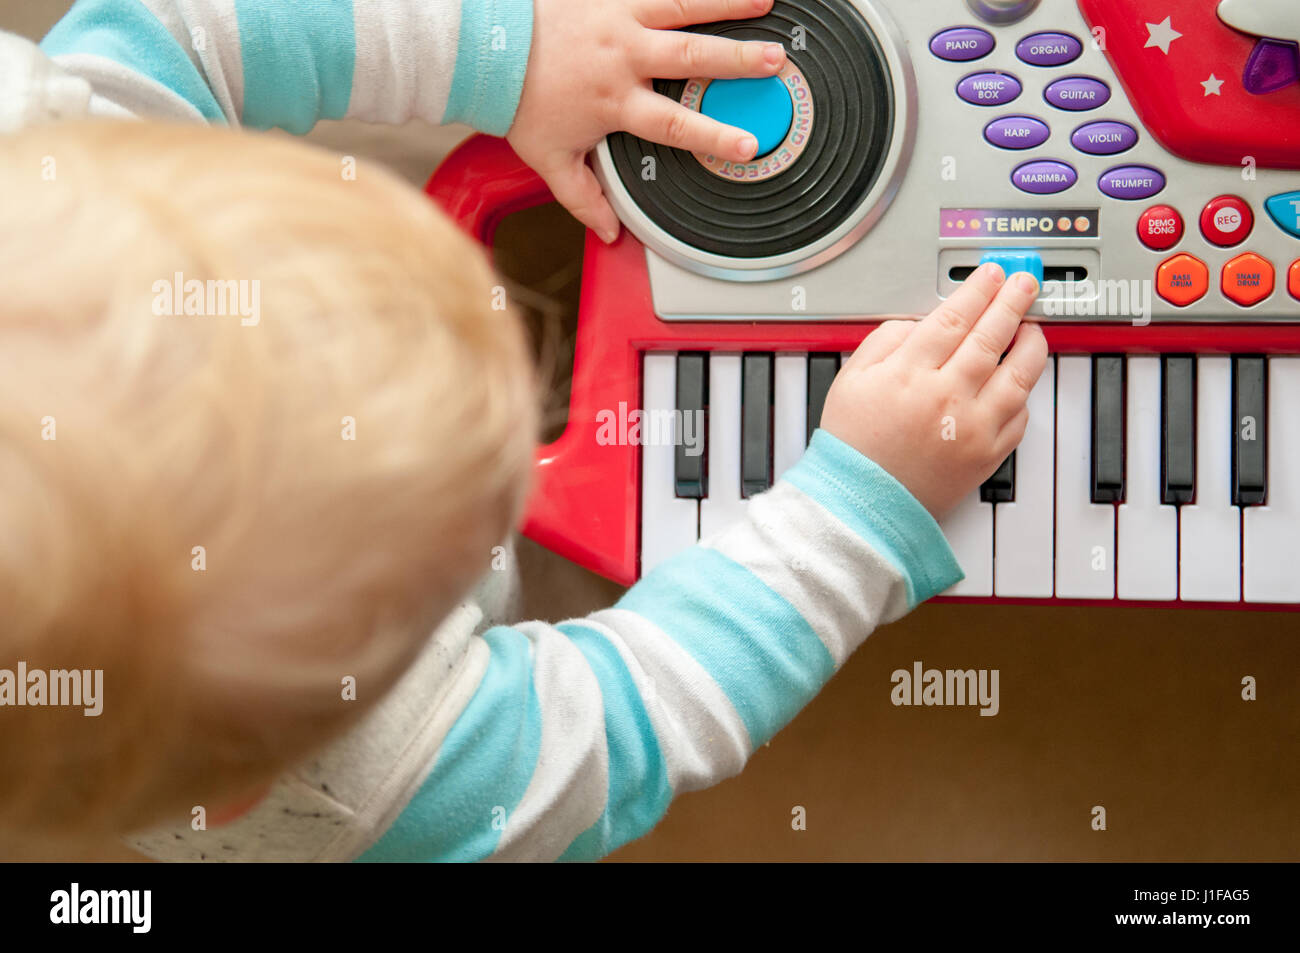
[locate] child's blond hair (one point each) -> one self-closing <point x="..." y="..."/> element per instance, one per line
<point x="346" y="458"/>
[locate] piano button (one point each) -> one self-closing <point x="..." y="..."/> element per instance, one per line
<point x="1146" y="530"/>
<point x="789" y="412"/>
<point x="1001" y="486"/>
<point x="756" y="425"/>
<point x="822" y="369"/>
<point x="1022" y="530"/>
<point x="1271" y="543"/>
<point x="1178" y="430"/>
<point x="1085" y="531"/>
<point x="1107" y="429"/>
<point x="692" y="381"/>
<point x="1209" y="530"/>
<point x="1250" y="430"/>
<point x="969" y="531"/>
<point x="724" y="505"/>
<point x="668" y="524"/>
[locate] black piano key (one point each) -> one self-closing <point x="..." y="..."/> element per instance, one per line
<point x="1178" y="430"/>
<point x="690" y="476"/>
<point x="1250" y="431"/>
<point x="756" y="425"/>
<point x="1001" y="486"/>
<point x="1108" y="429"/>
<point x="822" y="369"/>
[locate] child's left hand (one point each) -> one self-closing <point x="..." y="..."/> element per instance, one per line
<point x="589" y="74"/>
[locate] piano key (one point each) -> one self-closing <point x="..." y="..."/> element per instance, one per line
<point x="1146" y="565"/>
<point x="969" y="531"/>
<point x="1209" y="530"/>
<point x="1001" y="486"/>
<point x="1178" y="430"/>
<point x="1085" y="531"/>
<point x="724" y="505"/>
<point x="692" y="381"/>
<point x="756" y="424"/>
<point x="1271" y="533"/>
<point x="789" y="412"/>
<point x="822" y="369"/>
<point x="668" y="524"/>
<point x="1023" y="529"/>
<point x="1250" y="425"/>
<point x="1107" y="429"/>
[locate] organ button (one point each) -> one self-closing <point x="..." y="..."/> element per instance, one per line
<point x="1104" y="138"/>
<point x="989" y="89"/>
<point x="688" y="456"/>
<point x="822" y="369"/>
<point x="1182" y="280"/>
<point x="1132" y="182"/>
<point x="1178" y="430"/>
<point x="756" y="425"/>
<point x="1049" y="49"/>
<point x="962" y="44"/>
<point x="1227" y="221"/>
<point x="1108" y="429"/>
<point x="1248" y="279"/>
<point x="1077" y="93"/>
<point x="1250" y="431"/>
<point x="1160" y="228"/>
<point x="1017" y="132"/>
<point x="1044" y="177"/>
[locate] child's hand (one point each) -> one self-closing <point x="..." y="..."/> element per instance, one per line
<point x="928" y="400"/>
<point x="589" y="74"/>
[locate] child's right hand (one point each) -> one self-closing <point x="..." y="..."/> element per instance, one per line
<point x="928" y="400"/>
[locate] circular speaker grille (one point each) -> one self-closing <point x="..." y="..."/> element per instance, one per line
<point x="854" y="101"/>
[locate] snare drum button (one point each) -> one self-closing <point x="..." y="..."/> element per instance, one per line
<point x="1182" y="280"/>
<point x="962" y="44"/>
<point x="1160" y="228"/>
<point x="1227" y="221"/>
<point x="1248" y="279"/>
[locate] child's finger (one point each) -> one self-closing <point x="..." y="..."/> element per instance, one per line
<point x="665" y="54"/>
<point x="659" y="119"/>
<point x="575" y="187"/>
<point x="1007" y="391"/>
<point x="671" y="14"/>
<point x="977" y="356"/>
<point x="881" y="343"/>
<point x="1012" y="432"/>
<point x="939" y="334"/>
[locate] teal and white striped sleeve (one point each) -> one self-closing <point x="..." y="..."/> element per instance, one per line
<point x="289" y="63"/>
<point x="579" y="735"/>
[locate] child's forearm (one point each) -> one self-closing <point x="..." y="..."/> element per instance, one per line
<point x="580" y="734"/>
<point x="290" y="63"/>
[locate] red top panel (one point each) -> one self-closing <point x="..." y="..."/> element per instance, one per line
<point x="1174" y="80"/>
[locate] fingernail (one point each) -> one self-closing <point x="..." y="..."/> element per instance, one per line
<point x="774" y="54"/>
<point x="1028" y="283"/>
<point x="748" y="146"/>
<point x="607" y="235"/>
<point x="995" y="272"/>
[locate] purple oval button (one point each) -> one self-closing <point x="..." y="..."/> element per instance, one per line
<point x="1044" y="177"/>
<point x="1017" y="132"/>
<point x="1049" y="49"/>
<point x="989" y="89"/>
<point x="1104" y="138"/>
<point x="1077" y="93"/>
<point x="962" y="44"/>
<point x="1132" y="182"/>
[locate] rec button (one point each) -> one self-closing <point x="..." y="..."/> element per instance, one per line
<point x="1227" y="221"/>
<point x="1248" y="279"/>
<point x="1160" y="227"/>
<point x="1182" y="280"/>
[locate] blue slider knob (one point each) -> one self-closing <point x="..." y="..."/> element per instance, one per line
<point x="1014" y="260"/>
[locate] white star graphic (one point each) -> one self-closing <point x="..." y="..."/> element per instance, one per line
<point x="1213" y="85"/>
<point x="1161" y="34"/>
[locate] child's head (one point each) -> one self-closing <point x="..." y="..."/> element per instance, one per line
<point x="230" y="513"/>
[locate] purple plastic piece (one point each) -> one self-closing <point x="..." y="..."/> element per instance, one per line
<point x="989" y="89"/>
<point x="1017" y="132"/>
<point x="1078" y="93"/>
<point x="1044" y="177"/>
<point x="1104" y="138"/>
<point x="962" y="44"/>
<point x="1273" y="65"/>
<point x="1132" y="182"/>
<point x="1049" y="49"/>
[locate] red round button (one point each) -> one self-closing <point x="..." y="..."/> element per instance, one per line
<point x="1160" y="227"/>
<point x="1227" y="221"/>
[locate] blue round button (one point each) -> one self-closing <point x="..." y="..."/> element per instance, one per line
<point x="761" y="107"/>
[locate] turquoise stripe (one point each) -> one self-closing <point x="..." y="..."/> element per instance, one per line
<point x="491" y="60"/>
<point x="299" y="58"/>
<point x="639" y="791"/>
<point x="760" y="651"/>
<point x="484" y="766"/>
<point x="879" y="509"/>
<point x="125" y="32"/>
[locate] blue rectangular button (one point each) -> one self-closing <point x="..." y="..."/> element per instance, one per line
<point x="1014" y="260"/>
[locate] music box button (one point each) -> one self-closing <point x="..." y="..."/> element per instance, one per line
<point x="1248" y="279"/>
<point x="1182" y="280"/>
<point x="1132" y="183"/>
<point x="1044" y="177"/>
<point x="1104" y="138"/>
<point x="1284" y="209"/>
<point x="1160" y="227"/>
<point x="1077" y="93"/>
<point x="1017" y="132"/>
<point x="1227" y="221"/>
<point x="962" y="44"/>
<point x="989" y="89"/>
<point x="1049" y="49"/>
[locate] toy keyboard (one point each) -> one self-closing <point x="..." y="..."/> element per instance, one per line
<point x="1140" y="157"/>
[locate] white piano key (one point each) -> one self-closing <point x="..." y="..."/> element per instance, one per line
<point x="1085" y="531"/>
<point x="724" y="505"/>
<point x="790" y="412"/>
<point x="1023" y="528"/>
<point x="969" y="531"/>
<point x="1147" y="529"/>
<point x="1209" y="557"/>
<point x="668" y="524"/>
<point x="1271" y="545"/>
